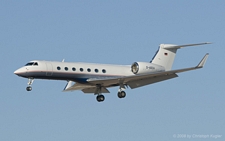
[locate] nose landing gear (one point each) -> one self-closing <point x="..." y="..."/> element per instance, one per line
<point x="30" y="81"/>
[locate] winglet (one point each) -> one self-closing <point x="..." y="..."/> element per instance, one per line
<point x="202" y="63"/>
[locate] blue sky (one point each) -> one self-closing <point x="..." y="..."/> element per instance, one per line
<point x="114" y="32"/>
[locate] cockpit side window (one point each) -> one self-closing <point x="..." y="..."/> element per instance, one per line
<point x="29" y="64"/>
<point x="32" y="64"/>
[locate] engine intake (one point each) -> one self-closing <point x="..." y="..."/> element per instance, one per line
<point x="135" y="67"/>
<point x="145" y="67"/>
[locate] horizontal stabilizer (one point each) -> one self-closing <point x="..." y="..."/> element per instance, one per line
<point x="181" y="46"/>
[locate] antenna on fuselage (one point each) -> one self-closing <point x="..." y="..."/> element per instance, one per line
<point x="63" y="60"/>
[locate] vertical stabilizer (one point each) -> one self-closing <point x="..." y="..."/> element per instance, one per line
<point x="166" y="54"/>
<point x="165" y="57"/>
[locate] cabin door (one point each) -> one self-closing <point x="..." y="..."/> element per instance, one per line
<point x="49" y="69"/>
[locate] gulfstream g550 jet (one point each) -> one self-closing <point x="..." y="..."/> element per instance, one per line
<point x="96" y="78"/>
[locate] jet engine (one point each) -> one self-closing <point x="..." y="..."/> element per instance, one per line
<point x="145" y="67"/>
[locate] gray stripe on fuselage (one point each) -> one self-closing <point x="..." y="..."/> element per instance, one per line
<point x="77" y="77"/>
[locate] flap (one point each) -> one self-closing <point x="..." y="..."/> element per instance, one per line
<point x="147" y="81"/>
<point x="93" y="90"/>
<point x="77" y="86"/>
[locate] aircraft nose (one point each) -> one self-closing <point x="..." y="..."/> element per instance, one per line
<point x="19" y="71"/>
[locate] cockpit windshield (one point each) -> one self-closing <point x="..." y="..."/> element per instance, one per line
<point x="32" y="64"/>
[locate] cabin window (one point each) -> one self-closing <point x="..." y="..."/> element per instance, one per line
<point x="89" y="70"/>
<point x="74" y="69"/>
<point x="58" y="68"/>
<point x="81" y="69"/>
<point x="104" y="71"/>
<point x="96" y="70"/>
<point x="66" y="68"/>
<point x="29" y="64"/>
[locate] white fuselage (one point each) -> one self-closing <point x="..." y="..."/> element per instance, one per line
<point x="77" y="72"/>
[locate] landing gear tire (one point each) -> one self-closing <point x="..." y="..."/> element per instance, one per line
<point x="100" y="98"/>
<point x="29" y="88"/>
<point x="121" y="94"/>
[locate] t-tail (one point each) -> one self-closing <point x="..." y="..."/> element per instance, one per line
<point x="166" y="54"/>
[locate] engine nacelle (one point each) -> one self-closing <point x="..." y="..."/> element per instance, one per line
<point x="145" y="67"/>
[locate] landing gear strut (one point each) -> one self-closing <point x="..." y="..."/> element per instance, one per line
<point x="30" y="81"/>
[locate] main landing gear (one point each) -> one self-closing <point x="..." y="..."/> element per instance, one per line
<point x="98" y="91"/>
<point x="100" y="98"/>
<point x="121" y="94"/>
<point x="30" y="81"/>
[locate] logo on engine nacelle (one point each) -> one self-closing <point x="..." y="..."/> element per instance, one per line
<point x="150" y="67"/>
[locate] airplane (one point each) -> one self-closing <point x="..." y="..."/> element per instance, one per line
<point x="96" y="78"/>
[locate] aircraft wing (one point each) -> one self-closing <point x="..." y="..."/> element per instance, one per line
<point x="144" y="79"/>
<point x="133" y="81"/>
